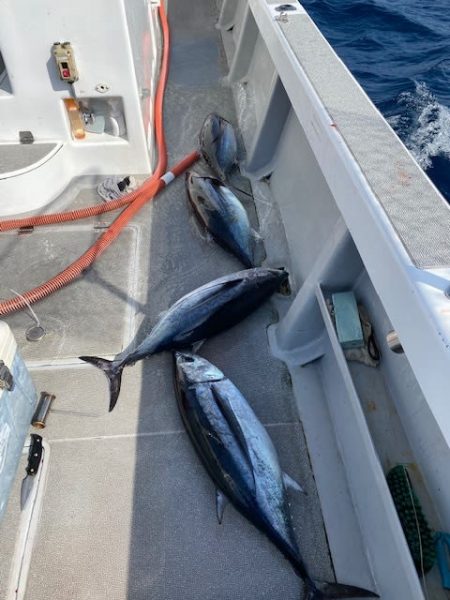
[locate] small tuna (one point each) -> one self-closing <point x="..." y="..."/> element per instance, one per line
<point x="241" y="459"/>
<point x="201" y="314"/>
<point x="218" y="145"/>
<point x="222" y="214"/>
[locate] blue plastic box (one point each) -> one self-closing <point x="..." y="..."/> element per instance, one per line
<point x="348" y="324"/>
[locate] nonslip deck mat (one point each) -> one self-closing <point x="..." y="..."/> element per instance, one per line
<point x="91" y="315"/>
<point x="14" y="157"/>
<point x="135" y="518"/>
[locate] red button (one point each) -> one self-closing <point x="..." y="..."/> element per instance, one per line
<point x="65" y="73"/>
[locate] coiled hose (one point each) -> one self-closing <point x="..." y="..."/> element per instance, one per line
<point x="134" y="200"/>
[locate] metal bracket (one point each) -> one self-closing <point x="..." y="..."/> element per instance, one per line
<point x="6" y="378"/>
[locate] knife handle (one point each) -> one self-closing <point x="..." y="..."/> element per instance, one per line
<point x="34" y="454"/>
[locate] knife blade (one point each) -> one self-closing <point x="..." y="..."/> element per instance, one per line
<point x="34" y="460"/>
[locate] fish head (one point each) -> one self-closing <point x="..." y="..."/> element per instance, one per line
<point x="218" y="144"/>
<point x="192" y="368"/>
<point x="192" y="177"/>
<point x="283" y="281"/>
<point x="273" y="278"/>
<point x="211" y="130"/>
<point x="201" y="184"/>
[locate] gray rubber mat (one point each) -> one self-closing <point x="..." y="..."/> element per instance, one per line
<point x="14" y="157"/>
<point x="139" y="521"/>
<point x="92" y="315"/>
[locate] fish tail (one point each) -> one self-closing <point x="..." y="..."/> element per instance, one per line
<point x="256" y="236"/>
<point x="113" y="371"/>
<point x="257" y="249"/>
<point x="238" y="189"/>
<point x="319" y="590"/>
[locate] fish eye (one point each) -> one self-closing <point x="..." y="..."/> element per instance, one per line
<point x="188" y="359"/>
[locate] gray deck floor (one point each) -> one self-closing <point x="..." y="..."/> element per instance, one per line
<point x="129" y="511"/>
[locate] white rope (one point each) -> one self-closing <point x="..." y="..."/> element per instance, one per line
<point x="34" y="315"/>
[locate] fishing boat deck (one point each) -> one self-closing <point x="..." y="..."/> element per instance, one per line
<point x="129" y="511"/>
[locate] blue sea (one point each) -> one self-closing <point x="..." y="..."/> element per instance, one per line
<point x="399" y="51"/>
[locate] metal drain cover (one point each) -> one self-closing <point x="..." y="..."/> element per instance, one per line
<point x="35" y="333"/>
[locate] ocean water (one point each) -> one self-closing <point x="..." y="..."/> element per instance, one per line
<point x="399" y="51"/>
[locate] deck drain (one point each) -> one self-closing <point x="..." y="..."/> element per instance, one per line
<point x="35" y="333"/>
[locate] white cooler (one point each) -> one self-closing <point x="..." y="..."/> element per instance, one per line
<point x="17" y="402"/>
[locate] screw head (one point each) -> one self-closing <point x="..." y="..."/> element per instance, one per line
<point x="102" y="88"/>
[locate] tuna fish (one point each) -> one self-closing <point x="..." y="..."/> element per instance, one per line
<point x="218" y="145"/>
<point x="241" y="459"/>
<point x="222" y="214"/>
<point x="201" y="314"/>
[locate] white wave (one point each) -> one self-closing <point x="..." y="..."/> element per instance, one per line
<point x="425" y="126"/>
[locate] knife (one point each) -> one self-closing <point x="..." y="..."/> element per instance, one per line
<point x="34" y="459"/>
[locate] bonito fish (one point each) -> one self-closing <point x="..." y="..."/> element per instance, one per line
<point x="242" y="461"/>
<point x="222" y="214"/>
<point x="201" y="314"/>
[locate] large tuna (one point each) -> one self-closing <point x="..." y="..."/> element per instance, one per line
<point x="242" y="461"/>
<point x="222" y="214"/>
<point x="201" y="314"/>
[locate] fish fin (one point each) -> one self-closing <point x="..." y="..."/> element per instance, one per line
<point x="258" y="249"/>
<point x="113" y="371"/>
<point x="240" y="190"/>
<point x="216" y="290"/>
<point x="208" y="237"/>
<point x="292" y="484"/>
<point x="200" y="230"/>
<point x="221" y="502"/>
<point x="232" y="422"/>
<point x="256" y="236"/>
<point x="197" y="345"/>
<point x="320" y="590"/>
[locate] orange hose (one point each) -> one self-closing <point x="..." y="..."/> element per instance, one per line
<point x="135" y="200"/>
<point x="74" y="270"/>
<point x="73" y="215"/>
